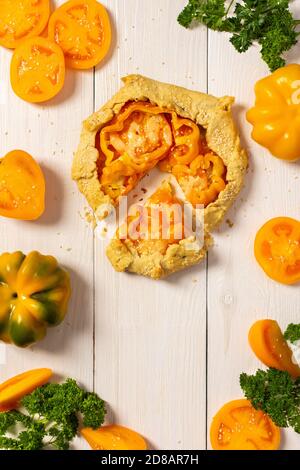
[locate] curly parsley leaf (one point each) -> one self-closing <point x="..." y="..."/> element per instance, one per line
<point x="292" y="333"/>
<point x="276" y="393"/>
<point x="269" y="23"/>
<point x="93" y="410"/>
<point x="51" y="417"/>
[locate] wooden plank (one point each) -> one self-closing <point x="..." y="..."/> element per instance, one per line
<point x="50" y="133"/>
<point x="150" y="336"/>
<point x="238" y="291"/>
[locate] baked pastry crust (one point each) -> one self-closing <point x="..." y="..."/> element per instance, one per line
<point x="124" y="257"/>
<point x="152" y="258"/>
<point x="211" y="113"/>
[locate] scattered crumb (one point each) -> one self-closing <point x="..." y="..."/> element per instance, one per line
<point x="69" y="249"/>
<point x="229" y="223"/>
<point x="90" y="218"/>
<point x="144" y="190"/>
<point x="195" y="280"/>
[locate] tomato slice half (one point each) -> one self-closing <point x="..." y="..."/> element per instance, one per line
<point x="21" y="19"/>
<point x="37" y="71"/>
<point x="269" y="345"/>
<point x="22" y="187"/>
<point x="82" y="29"/>
<point x="239" y="426"/>
<point x="277" y="249"/>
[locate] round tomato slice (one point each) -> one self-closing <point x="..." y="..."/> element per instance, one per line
<point x="21" y="19"/>
<point x="277" y="249"/>
<point x="37" y="71"/>
<point x="22" y="187"/>
<point x="239" y="426"/>
<point x="82" y="29"/>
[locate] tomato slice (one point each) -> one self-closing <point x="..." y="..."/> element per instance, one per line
<point x="277" y="249"/>
<point x="37" y="71"/>
<point x="269" y="345"/>
<point x="22" y="187"/>
<point x="4" y="409"/>
<point x="114" y="437"/>
<point x="82" y="29"/>
<point x="239" y="426"/>
<point x="21" y="19"/>
<point x="17" y="387"/>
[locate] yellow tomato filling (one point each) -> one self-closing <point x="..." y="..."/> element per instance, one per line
<point x="143" y="136"/>
<point x="160" y="222"/>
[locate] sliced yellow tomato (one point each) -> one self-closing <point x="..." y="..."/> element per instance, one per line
<point x="114" y="437"/>
<point x="37" y="71"/>
<point x="277" y="249"/>
<point x="239" y="426"/>
<point x="82" y="29"/>
<point x="22" y="19"/>
<point x="17" y="387"/>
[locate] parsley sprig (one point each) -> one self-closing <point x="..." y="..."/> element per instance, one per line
<point x="269" y="23"/>
<point x="51" y="417"/>
<point x="276" y="393"/>
<point x="292" y="333"/>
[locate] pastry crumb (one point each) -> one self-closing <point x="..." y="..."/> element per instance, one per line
<point x="229" y="223"/>
<point x="90" y="217"/>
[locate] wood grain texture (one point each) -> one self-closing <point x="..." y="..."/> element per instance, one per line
<point x="150" y="336"/>
<point x="238" y="291"/>
<point x="146" y="346"/>
<point x="50" y="133"/>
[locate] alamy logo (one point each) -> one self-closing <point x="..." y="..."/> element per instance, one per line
<point x="172" y="222"/>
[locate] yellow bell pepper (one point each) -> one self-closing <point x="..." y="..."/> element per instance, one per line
<point x="34" y="294"/>
<point x="276" y="114"/>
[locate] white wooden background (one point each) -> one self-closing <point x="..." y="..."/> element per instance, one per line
<point x="165" y="355"/>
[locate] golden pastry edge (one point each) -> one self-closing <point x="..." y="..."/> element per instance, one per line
<point x="213" y="114"/>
